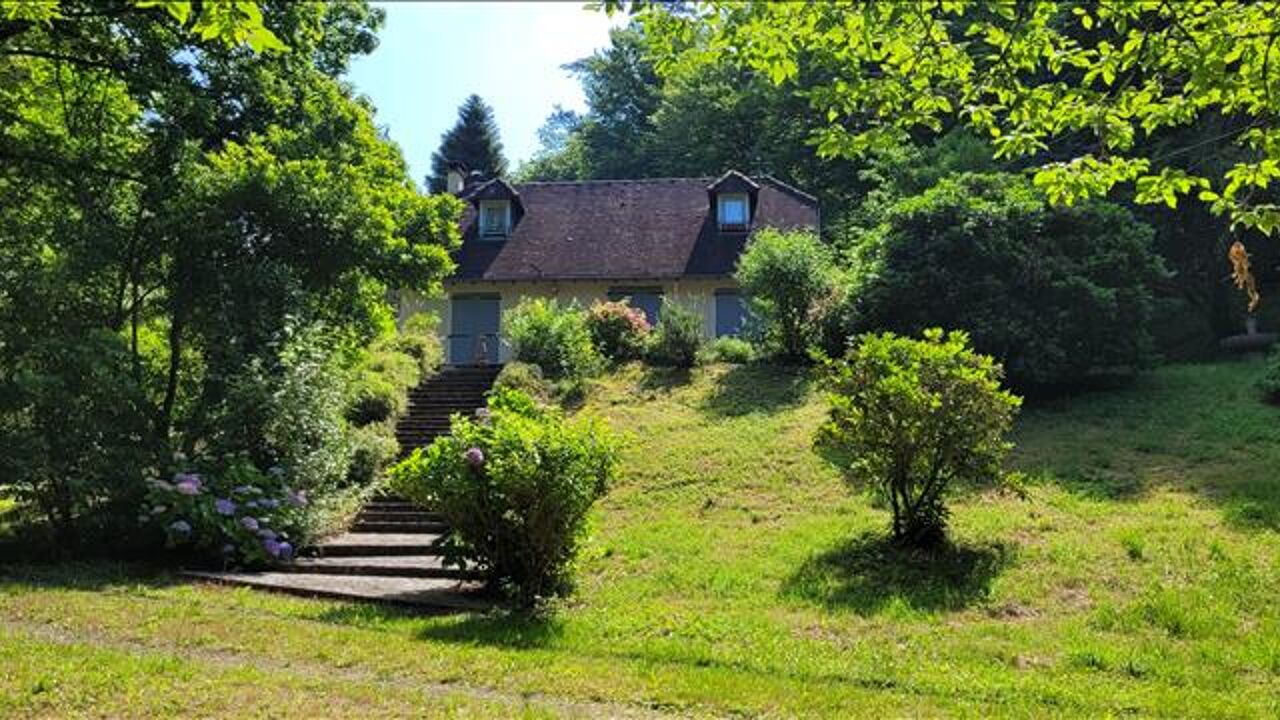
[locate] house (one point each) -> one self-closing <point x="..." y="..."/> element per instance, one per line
<point x="638" y="240"/>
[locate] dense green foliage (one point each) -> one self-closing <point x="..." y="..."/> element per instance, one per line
<point x="515" y="486"/>
<point x="1029" y="75"/>
<point x="472" y="141"/>
<point x="1058" y="295"/>
<point x="177" y="213"/>
<point x="553" y="336"/>
<point x="912" y="418"/>
<point x="1269" y="384"/>
<point x="619" y="331"/>
<point x="677" y="337"/>
<point x="788" y="278"/>
<point x="526" y="378"/>
<point x="730" y="349"/>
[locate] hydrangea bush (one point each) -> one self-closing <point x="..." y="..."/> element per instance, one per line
<point x="618" y="330"/>
<point x="515" y="484"/>
<point x="235" y="513"/>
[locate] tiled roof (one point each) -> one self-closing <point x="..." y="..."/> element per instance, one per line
<point x="621" y="229"/>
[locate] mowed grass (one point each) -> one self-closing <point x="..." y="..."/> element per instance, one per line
<point x="732" y="571"/>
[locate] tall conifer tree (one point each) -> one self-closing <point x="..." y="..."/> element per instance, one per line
<point x="472" y="141"/>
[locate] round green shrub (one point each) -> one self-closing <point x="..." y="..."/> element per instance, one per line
<point x="787" y="278"/>
<point x="678" y="337"/>
<point x="914" y="417"/>
<point x="553" y="337"/>
<point x="373" y="448"/>
<point x="515" y="485"/>
<point x="526" y="378"/>
<point x="618" y="330"/>
<point x="375" y="399"/>
<point x="730" y="350"/>
<point x="1057" y="295"/>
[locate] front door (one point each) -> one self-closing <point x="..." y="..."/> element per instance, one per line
<point x="474" y="329"/>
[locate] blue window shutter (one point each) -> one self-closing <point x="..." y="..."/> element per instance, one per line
<point x="729" y="313"/>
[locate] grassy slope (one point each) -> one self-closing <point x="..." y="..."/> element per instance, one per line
<point x="732" y="571"/>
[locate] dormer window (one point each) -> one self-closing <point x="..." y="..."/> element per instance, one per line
<point x="732" y="211"/>
<point x="495" y="218"/>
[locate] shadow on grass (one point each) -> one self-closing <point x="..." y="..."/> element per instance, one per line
<point x="869" y="572"/>
<point x="746" y="389"/>
<point x="511" y="630"/>
<point x="664" y="379"/>
<point x="85" y="574"/>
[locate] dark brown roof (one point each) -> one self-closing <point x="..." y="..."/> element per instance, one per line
<point x="621" y="229"/>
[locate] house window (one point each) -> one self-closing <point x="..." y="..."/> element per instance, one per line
<point x="729" y="313"/>
<point x="646" y="300"/>
<point x="732" y="211"/>
<point x="495" y="218"/>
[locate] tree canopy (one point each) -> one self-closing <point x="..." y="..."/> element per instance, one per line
<point x="1037" y="77"/>
<point x="473" y="141"/>
<point x="179" y="192"/>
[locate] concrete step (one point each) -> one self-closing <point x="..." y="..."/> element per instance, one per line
<point x="369" y="515"/>
<point x="360" y="543"/>
<point x="431" y="594"/>
<point x="389" y="566"/>
<point x="394" y="506"/>
<point x="398" y="526"/>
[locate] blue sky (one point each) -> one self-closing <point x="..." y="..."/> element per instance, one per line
<point x="432" y="55"/>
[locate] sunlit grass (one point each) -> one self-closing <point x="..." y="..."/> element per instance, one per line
<point x="731" y="570"/>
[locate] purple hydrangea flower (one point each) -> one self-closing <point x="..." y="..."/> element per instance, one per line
<point x="267" y="534"/>
<point x="296" y="499"/>
<point x="272" y="547"/>
<point x="224" y="506"/>
<point x="250" y="524"/>
<point x="182" y="527"/>
<point x="251" y="504"/>
<point x="286" y="551"/>
<point x="187" y="483"/>
<point x="270" y="503"/>
<point x="474" y="457"/>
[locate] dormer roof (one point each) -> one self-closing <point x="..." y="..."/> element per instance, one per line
<point x="733" y="182"/>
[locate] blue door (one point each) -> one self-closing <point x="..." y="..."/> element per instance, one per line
<point x="729" y="313"/>
<point x="474" y="324"/>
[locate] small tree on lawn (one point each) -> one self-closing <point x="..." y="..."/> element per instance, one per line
<point x="786" y="276"/>
<point x="914" y="417"/>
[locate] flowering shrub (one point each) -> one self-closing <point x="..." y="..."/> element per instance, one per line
<point x="515" y="485"/>
<point x="618" y="330"/>
<point x="240" y="514"/>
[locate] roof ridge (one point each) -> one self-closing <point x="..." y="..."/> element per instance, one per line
<point x="606" y="181"/>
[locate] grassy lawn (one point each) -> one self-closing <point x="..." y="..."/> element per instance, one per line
<point x="732" y="572"/>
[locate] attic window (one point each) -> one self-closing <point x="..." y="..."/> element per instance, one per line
<point x="732" y="211"/>
<point x="495" y="218"/>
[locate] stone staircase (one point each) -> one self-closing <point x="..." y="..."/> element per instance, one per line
<point x="391" y="554"/>
<point x="455" y="389"/>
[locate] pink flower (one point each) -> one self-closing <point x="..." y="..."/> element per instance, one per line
<point x="474" y="457"/>
<point x="188" y="487"/>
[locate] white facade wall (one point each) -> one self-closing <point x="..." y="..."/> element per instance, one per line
<point x="695" y="293"/>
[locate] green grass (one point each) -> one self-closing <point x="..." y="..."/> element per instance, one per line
<point x="731" y="571"/>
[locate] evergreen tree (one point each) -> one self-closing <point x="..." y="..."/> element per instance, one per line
<point x="473" y="141"/>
